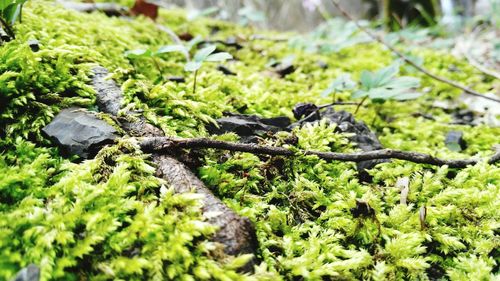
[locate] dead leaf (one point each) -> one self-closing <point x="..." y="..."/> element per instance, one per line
<point x="142" y="7"/>
<point x="422" y="217"/>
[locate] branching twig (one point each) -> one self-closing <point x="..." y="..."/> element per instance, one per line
<point x="168" y="145"/>
<point x="377" y="38"/>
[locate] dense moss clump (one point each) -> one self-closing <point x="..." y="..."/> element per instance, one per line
<point x="110" y="218"/>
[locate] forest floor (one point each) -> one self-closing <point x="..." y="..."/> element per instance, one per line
<point x="131" y="207"/>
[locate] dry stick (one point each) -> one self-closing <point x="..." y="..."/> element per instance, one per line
<point x="168" y="145"/>
<point x="467" y="90"/>
<point x="464" y="48"/>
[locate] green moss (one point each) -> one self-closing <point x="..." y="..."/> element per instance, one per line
<point x="110" y="218"/>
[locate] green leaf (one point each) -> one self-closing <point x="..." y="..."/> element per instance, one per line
<point x="407" y="96"/>
<point x="5" y="3"/>
<point x="139" y="53"/>
<point x="202" y="54"/>
<point x="384" y="75"/>
<point x="342" y="83"/>
<point x="192" y="66"/>
<point x="366" y="79"/>
<point x="219" y="57"/>
<point x="170" y="49"/>
<point x="11" y="13"/>
<point x="193" y="42"/>
<point x="359" y="94"/>
<point x="404" y="82"/>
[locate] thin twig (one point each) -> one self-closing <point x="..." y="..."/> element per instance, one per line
<point x="168" y="145"/>
<point x="464" y="47"/>
<point x="377" y="38"/>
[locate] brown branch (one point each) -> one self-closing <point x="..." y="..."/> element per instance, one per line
<point x="377" y="38"/>
<point x="168" y="145"/>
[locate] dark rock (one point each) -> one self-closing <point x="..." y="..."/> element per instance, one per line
<point x="364" y="138"/>
<point x="225" y="70"/>
<point x="322" y="64"/>
<point x="283" y="69"/>
<point x="232" y="42"/>
<point x="463" y="117"/>
<point x="177" y="79"/>
<point x="34" y="45"/>
<point x="186" y="36"/>
<point x="29" y="273"/>
<point x="454" y="141"/>
<point x="78" y="131"/>
<point x="362" y="209"/>
<point x="303" y="109"/>
<point x="248" y="125"/>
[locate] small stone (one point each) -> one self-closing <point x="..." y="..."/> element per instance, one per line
<point x="78" y="131"/>
<point x="455" y="141"/>
<point x="362" y="209"/>
<point x="248" y="126"/>
<point x="29" y="273"/>
<point x="303" y="109"/>
<point x="34" y="45"/>
<point x="322" y="64"/>
<point x="225" y="70"/>
<point x="283" y="69"/>
<point x="177" y="79"/>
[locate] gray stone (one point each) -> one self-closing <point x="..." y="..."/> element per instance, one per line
<point x="81" y="132"/>
<point x="29" y="273"/>
<point x="248" y="126"/>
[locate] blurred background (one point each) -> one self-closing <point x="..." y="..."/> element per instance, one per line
<point x="305" y="15"/>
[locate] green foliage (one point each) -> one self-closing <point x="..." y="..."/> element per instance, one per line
<point x="33" y="86"/>
<point x="10" y="11"/>
<point x="104" y="219"/>
<point x="384" y="85"/>
<point x="342" y="83"/>
<point x="110" y="218"/>
<point x="206" y="55"/>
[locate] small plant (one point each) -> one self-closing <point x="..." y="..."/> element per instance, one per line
<point x="378" y="86"/>
<point x="341" y="84"/>
<point x="384" y="85"/>
<point x="205" y="55"/>
<point x="148" y="53"/>
<point x="10" y="11"/>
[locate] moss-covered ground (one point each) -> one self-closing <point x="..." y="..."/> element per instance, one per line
<point x="111" y="219"/>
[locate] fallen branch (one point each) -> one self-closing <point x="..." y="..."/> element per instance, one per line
<point x="169" y="145"/>
<point x="235" y="232"/>
<point x="377" y="38"/>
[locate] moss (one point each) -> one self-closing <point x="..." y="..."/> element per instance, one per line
<point x="110" y="218"/>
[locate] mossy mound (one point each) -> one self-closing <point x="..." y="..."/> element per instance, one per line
<point x="110" y="218"/>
